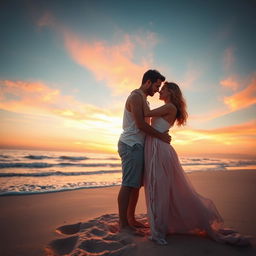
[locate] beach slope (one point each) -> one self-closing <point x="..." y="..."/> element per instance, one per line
<point x="29" y="222"/>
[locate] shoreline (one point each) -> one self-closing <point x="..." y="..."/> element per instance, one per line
<point x="51" y="192"/>
<point x="29" y="221"/>
<point x="98" y="187"/>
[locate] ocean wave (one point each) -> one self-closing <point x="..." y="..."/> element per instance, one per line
<point x="105" y="158"/>
<point x="25" y="165"/>
<point x="57" y="173"/>
<point x="73" y="158"/>
<point x="68" y="158"/>
<point x="4" y="156"/>
<point x="221" y="163"/>
<point x="40" y="165"/>
<point x="25" y="189"/>
<point x="201" y="163"/>
<point x="38" y="157"/>
<point x="80" y="158"/>
<point x="242" y="163"/>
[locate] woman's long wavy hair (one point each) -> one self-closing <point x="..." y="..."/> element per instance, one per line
<point x="179" y="102"/>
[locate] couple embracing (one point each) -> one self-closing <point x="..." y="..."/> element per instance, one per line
<point x="148" y="159"/>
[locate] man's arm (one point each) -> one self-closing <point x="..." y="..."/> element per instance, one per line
<point x="136" y="107"/>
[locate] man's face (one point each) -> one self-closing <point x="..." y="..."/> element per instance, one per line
<point x="154" y="87"/>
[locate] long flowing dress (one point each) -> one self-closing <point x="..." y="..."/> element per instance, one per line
<point x="174" y="207"/>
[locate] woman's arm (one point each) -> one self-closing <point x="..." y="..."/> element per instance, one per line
<point x="161" y="111"/>
<point x="136" y="107"/>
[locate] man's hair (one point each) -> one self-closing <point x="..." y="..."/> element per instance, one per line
<point x="152" y="75"/>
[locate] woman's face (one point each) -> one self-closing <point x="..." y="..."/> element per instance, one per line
<point x="164" y="93"/>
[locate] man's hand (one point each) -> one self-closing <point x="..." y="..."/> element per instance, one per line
<point x="165" y="137"/>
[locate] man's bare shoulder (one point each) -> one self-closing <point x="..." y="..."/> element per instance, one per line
<point x="135" y="95"/>
<point x="133" y="100"/>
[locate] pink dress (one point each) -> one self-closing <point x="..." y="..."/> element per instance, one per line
<point x="173" y="204"/>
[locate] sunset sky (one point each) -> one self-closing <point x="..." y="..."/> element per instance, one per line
<point x="68" y="66"/>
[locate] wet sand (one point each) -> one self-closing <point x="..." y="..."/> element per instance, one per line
<point x="29" y="222"/>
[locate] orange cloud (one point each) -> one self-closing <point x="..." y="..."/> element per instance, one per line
<point x="24" y="89"/>
<point x="113" y="64"/>
<point x="209" y="116"/>
<point x="230" y="82"/>
<point x="116" y="64"/>
<point x="244" y="130"/>
<point x="79" y="122"/>
<point x="39" y="98"/>
<point x="244" y="98"/>
<point x="236" y="139"/>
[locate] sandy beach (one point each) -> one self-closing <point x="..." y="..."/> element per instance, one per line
<point x="29" y="222"/>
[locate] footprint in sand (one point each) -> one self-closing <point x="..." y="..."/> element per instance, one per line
<point x="99" y="237"/>
<point x="100" y="245"/>
<point x="69" y="229"/>
<point x="62" y="246"/>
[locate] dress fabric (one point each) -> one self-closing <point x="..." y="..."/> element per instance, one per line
<point x="173" y="205"/>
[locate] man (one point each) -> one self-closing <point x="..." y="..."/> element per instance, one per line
<point x="131" y="148"/>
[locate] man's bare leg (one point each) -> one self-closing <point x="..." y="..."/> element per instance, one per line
<point x="123" y="203"/>
<point x="131" y="208"/>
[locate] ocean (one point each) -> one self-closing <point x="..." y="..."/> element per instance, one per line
<point x="30" y="172"/>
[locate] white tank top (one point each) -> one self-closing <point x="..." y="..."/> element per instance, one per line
<point x="131" y="133"/>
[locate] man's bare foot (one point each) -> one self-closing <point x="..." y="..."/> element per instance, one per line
<point x="131" y="231"/>
<point x="137" y="224"/>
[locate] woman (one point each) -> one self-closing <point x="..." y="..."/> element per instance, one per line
<point x="173" y="204"/>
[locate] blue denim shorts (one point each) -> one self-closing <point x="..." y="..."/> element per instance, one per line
<point x="132" y="164"/>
